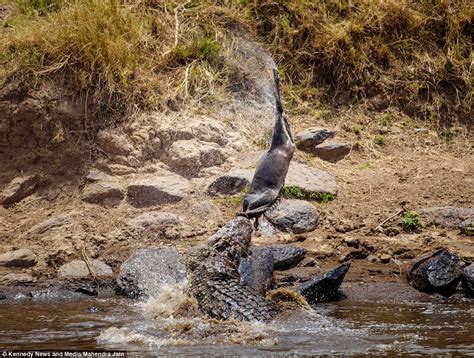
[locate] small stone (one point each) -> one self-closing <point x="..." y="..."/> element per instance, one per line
<point x="467" y="280"/>
<point x="325" y="288"/>
<point x="78" y="268"/>
<point x="16" y="278"/>
<point x="18" y="258"/>
<point x="96" y="175"/>
<point x="51" y="223"/>
<point x="118" y="169"/>
<point x="286" y="256"/>
<point x="311" y="137"/>
<point x="332" y="152"/>
<point x="296" y="216"/>
<point x="157" y="191"/>
<point x="103" y="193"/>
<point x="147" y="270"/>
<point x="154" y="218"/>
<point x="18" y="189"/>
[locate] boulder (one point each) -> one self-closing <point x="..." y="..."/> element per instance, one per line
<point x="78" y="268"/>
<point x="147" y="270"/>
<point x="326" y="287"/>
<point x="286" y="256"/>
<point x="438" y="272"/>
<point x="157" y="191"/>
<point x="231" y="183"/>
<point x="103" y="193"/>
<point x="18" y="189"/>
<point x="310" y="181"/>
<point x="447" y="216"/>
<point x="296" y="216"/>
<point x="467" y="280"/>
<point x="16" y="278"/>
<point x="188" y="157"/>
<point x="18" y="258"/>
<point x="51" y="223"/>
<point x="309" y="138"/>
<point x="256" y="269"/>
<point x="332" y="152"/>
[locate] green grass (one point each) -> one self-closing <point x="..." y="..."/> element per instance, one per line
<point x="411" y="221"/>
<point x="297" y="193"/>
<point x="379" y="140"/>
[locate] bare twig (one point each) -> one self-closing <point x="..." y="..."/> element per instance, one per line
<point x="390" y="217"/>
<point x="88" y="264"/>
<point x="176" y="25"/>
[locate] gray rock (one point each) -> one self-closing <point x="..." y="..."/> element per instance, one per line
<point x="157" y="191"/>
<point x="296" y="216"/>
<point x="438" y="272"/>
<point x="103" y="193"/>
<point x="326" y="287"/>
<point x="18" y="258"/>
<point x="51" y="223"/>
<point x="310" y="180"/>
<point x="256" y="269"/>
<point x="332" y="152"/>
<point x="154" y="218"/>
<point x="286" y="256"/>
<point x="309" y="138"/>
<point x="467" y="280"/>
<point x="18" y="189"/>
<point x="446" y="216"/>
<point x="147" y="270"/>
<point x="188" y="157"/>
<point x="231" y="183"/>
<point x="16" y="278"/>
<point x="78" y="268"/>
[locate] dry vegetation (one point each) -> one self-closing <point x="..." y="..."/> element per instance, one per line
<point x="412" y="55"/>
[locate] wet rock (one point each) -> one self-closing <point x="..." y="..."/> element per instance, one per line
<point x="231" y="183"/>
<point x="157" y="191"/>
<point x="309" y="138"/>
<point x="256" y="269"/>
<point x="188" y="157"/>
<point x="296" y="216"/>
<point x="147" y="270"/>
<point x="155" y="218"/>
<point x="103" y="193"/>
<point x="18" y="258"/>
<point x="310" y="180"/>
<point x="467" y="280"/>
<point x="114" y="142"/>
<point x="51" y="223"/>
<point x="54" y="294"/>
<point x="332" y="152"/>
<point x="18" y="189"/>
<point x="447" y="216"/>
<point x="324" y="288"/>
<point x="16" y="278"/>
<point x="438" y="272"/>
<point x="286" y="256"/>
<point x="78" y="268"/>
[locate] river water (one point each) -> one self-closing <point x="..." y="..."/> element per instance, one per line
<point x="375" y="319"/>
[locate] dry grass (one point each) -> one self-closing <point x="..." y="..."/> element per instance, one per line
<point x="415" y="56"/>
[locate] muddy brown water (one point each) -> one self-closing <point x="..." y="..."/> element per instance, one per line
<point x="375" y="319"/>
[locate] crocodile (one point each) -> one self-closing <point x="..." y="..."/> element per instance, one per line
<point x="226" y="285"/>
